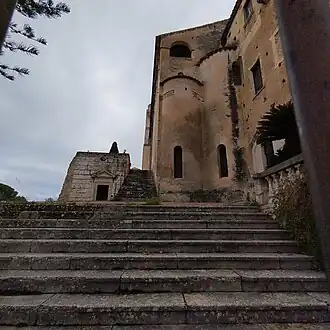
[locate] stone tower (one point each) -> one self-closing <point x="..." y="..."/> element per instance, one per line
<point x="188" y="130"/>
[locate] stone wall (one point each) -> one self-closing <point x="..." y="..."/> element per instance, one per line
<point x="257" y="39"/>
<point x="89" y="169"/>
<point x="192" y="100"/>
<point x="182" y="87"/>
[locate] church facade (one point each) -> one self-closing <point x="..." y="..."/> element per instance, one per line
<point x="211" y="85"/>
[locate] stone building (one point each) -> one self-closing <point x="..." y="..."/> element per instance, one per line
<point x="211" y="85"/>
<point x="94" y="176"/>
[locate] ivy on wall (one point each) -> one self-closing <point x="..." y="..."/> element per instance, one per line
<point x="238" y="152"/>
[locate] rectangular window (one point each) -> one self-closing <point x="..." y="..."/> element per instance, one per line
<point x="278" y="53"/>
<point x="237" y="72"/>
<point x="248" y="10"/>
<point x="257" y="77"/>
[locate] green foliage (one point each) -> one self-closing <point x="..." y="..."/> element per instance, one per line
<point x="9" y="194"/>
<point x="152" y="201"/>
<point x="50" y="200"/>
<point x="294" y="211"/>
<point x="240" y="169"/>
<point x="277" y="124"/>
<point x="240" y="165"/>
<point x="31" y="9"/>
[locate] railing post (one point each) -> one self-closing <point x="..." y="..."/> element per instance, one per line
<point x="7" y="8"/>
<point x="305" y="35"/>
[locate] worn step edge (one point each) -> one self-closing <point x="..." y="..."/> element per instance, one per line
<point x="83" y="261"/>
<point x="163" y="308"/>
<point x="106" y="246"/>
<point x="160" y="281"/>
<point x="152" y="234"/>
<point x="128" y="230"/>
<point x="273" y="326"/>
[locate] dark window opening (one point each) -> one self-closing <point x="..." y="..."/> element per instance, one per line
<point x="237" y="72"/>
<point x="269" y="153"/>
<point x="222" y="161"/>
<point x="102" y="192"/>
<point x="257" y="77"/>
<point x="180" y="51"/>
<point x="248" y="10"/>
<point x="178" y="162"/>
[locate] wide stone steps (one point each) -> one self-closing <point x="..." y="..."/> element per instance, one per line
<point x="155" y="268"/>
<point x="107" y="261"/>
<point x="194" y="215"/>
<point x="164" y="308"/>
<point x="139" y="224"/>
<point x="149" y="246"/>
<point x="148" y="281"/>
<point x="138" y="185"/>
<point x="146" y="234"/>
<point x="272" y="326"/>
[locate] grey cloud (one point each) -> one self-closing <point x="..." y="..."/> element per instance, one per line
<point x="90" y="86"/>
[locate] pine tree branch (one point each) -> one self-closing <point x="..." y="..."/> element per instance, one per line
<point x="33" y="8"/>
<point x="27" y="32"/>
<point x="30" y="9"/>
<point x="14" y="46"/>
<point x="16" y="70"/>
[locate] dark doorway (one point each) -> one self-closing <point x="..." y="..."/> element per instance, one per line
<point x="102" y="192"/>
<point x="178" y="162"/>
<point x="222" y="161"/>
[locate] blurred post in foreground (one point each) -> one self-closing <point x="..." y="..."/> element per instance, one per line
<point x="305" y="35"/>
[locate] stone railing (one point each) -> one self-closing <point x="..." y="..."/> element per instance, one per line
<point x="268" y="182"/>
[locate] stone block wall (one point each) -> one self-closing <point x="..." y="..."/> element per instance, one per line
<point x="88" y="169"/>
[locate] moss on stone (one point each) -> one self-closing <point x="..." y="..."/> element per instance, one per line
<point x="294" y="210"/>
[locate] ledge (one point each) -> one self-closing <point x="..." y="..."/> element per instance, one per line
<point x="181" y="76"/>
<point x="258" y="93"/>
<point x="280" y="167"/>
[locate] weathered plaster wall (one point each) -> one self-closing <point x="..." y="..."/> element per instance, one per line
<point x="180" y="126"/>
<point x="257" y="40"/>
<point x="190" y="104"/>
<point x="87" y="169"/>
<point x="178" y="110"/>
<point x="216" y="118"/>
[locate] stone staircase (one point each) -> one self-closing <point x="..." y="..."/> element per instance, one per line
<point x="156" y="267"/>
<point x="138" y="185"/>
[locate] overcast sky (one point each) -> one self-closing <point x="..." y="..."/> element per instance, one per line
<point x="90" y="86"/>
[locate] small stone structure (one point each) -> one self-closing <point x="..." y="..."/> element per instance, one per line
<point x="94" y="176"/>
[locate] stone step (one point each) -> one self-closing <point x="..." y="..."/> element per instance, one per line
<point x="164" y="308"/>
<point x="202" y="207"/>
<point x="194" y="215"/>
<point x="128" y="213"/>
<point x="147" y="246"/>
<point x="273" y="326"/>
<point x="147" y="234"/>
<point x="146" y="281"/>
<point x="107" y="261"/>
<point x="139" y="224"/>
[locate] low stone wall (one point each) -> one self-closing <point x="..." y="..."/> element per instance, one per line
<point x="225" y="195"/>
<point x="267" y="183"/>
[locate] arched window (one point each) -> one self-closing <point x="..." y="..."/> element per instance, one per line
<point x="180" y="51"/>
<point x="178" y="162"/>
<point x="222" y="161"/>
